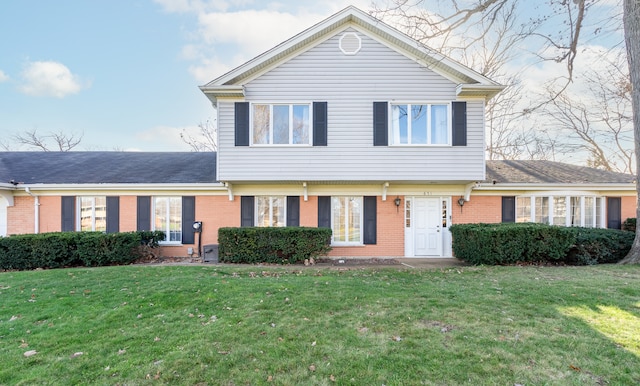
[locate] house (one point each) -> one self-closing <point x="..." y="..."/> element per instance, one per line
<point x="349" y="125"/>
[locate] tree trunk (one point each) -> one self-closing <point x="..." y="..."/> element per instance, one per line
<point x="632" y="40"/>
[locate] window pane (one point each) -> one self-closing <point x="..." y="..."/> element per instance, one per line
<point x="542" y="210"/>
<point x="338" y="220"/>
<point x="161" y="210"/>
<point x="263" y="208"/>
<point x="576" y="213"/>
<point x="559" y="211"/>
<point x="599" y="212"/>
<point x="277" y="207"/>
<point x="523" y="209"/>
<point x="439" y="124"/>
<point x="261" y="124"/>
<point x="399" y="124"/>
<point x="281" y="124"/>
<point x="589" y="212"/>
<point x="419" y="124"/>
<point x="100" y="214"/>
<point x="354" y="219"/>
<point x="86" y="214"/>
<point x="175" y="216"/>
<point x="300" y="124"/>
<point x="407" y="215"/>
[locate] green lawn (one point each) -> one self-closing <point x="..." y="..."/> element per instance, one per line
<point x="290" y="326"/>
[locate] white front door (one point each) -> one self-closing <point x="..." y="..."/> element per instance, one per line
<point x="427" y="220"/>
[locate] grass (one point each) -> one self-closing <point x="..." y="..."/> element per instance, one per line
<point x="289" y="326"/>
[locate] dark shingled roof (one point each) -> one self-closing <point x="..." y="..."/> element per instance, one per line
<point x="549" y="172"/>
<point x="107" y="167"/>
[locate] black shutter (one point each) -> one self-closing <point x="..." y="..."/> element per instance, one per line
<point x="242" y="123"/>
<point x="459" y="123"/>
<point x="508" y="209"/>
<point x="68" y="214"/>
<point x="293" y="211"/>
<point x="246" y="211"/>
<point x="319" y="123"/>
<point x="143" y="219"/>
<point x="614" y="212"/>
<point x="380" y="123"/>
<point x="113" y="214"/>
<point x="188" y="217"/>
<point x="370" y="219"/>
<point x="324" y="212"/>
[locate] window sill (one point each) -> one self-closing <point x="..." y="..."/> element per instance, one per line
<point x="169" y="243"/>
<point x="347" y="245"/>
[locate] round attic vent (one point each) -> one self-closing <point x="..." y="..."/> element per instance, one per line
<point x="350" y="43"/>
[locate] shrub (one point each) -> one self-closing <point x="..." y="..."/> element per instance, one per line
<point x="497" y="244"/>
<point x="629" y="225"/>
<point x="68" y="249"/>
<point x="510" y="243"/>
<point x="282" y="245"/>
<point x="600" y="246"/>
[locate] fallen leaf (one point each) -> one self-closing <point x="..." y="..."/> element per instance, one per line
<point x="30" y="353"/>
<point x="396" y="338"/>
<point x="14" y="317"/>
<point x="270" y="378"/>
<point x="122" y="351"/>
<point x="332" y="378"/>
<point x="312" y="368"/>
<point x="156" y="339"/>
<point x="574" y="368"/>
<point x="77" y="354"/>
<point x="313" y="343"/>
<point x="223" y="352"/>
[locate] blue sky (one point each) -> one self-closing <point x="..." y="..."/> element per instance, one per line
<point x="125" y="73"/>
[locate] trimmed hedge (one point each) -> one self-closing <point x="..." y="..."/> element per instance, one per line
<point x="281" y="245"/>
<point x="72" y="249"/>
<point x="629" y="224"/>
<point x="511" y="243"/>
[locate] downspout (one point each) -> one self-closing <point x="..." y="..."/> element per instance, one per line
<point x="468" y="188"/>
<point x="36" y="206"/>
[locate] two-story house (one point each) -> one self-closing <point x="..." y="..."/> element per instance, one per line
<point x="350" y="125"/>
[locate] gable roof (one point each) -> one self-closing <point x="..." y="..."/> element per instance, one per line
<point x="550" y="172"/>
<point x="107" y="167"/>
<point x="470" y="83"/>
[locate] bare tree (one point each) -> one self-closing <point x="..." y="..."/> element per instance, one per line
<point x="206" y="140"/>
<point x="54" y="141"/>
<point x="632" y="40"/>
<point x="599" y="122"/>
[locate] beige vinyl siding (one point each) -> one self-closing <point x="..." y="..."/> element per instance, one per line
<point x="350" y="84"/>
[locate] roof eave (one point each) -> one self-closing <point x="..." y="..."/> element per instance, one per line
<point x="475" y="90"/>
<point x="489" y="186"/>
<point x="223" y="91"/>
<point x="203" y="186"/>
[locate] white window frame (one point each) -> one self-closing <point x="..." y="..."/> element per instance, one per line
<point x="92" y="199"/>
<point x="392" y="135"/>
<point x="598" y="209"/>
<point x="346" y="222"/>
<point x="271" y="206"/>
<point x="167" y="229"/>
<point x="271" y="105"/>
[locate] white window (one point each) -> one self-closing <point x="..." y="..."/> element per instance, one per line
<point x="281" y="124"/>
<point x="420" y="124"/>
<point x="168" y="217"/>
<point x="346" y="220"/>
<point x="271" y="211"/>
<point x="523" y="209"/>
<point x="93" y="214"/>
<point x="583" y="211"/>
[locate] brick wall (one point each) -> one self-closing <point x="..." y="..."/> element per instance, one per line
<point x="128" y="213"/>
<point x="20" y="216"/>
<point x="486" y="209"/>
<point x="50" y="214"/>
<point x="628" y="209"/>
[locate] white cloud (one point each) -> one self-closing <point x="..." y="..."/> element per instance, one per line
<point x="3" y="77"/>
<point x="49" y="78"/>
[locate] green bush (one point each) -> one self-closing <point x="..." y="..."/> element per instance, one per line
<point x="69" y="249"/>
<point x="503" y="244"/>
<point x="629" y="225"/>
<point x="600" y="246"/>
<point x="281" y="245"/>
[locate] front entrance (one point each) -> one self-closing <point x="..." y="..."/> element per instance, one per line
<point x="426" y="232"/>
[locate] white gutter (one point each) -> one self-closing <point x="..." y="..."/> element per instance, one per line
<point x="36" y="215"/>
<point x="122" y="187"/>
